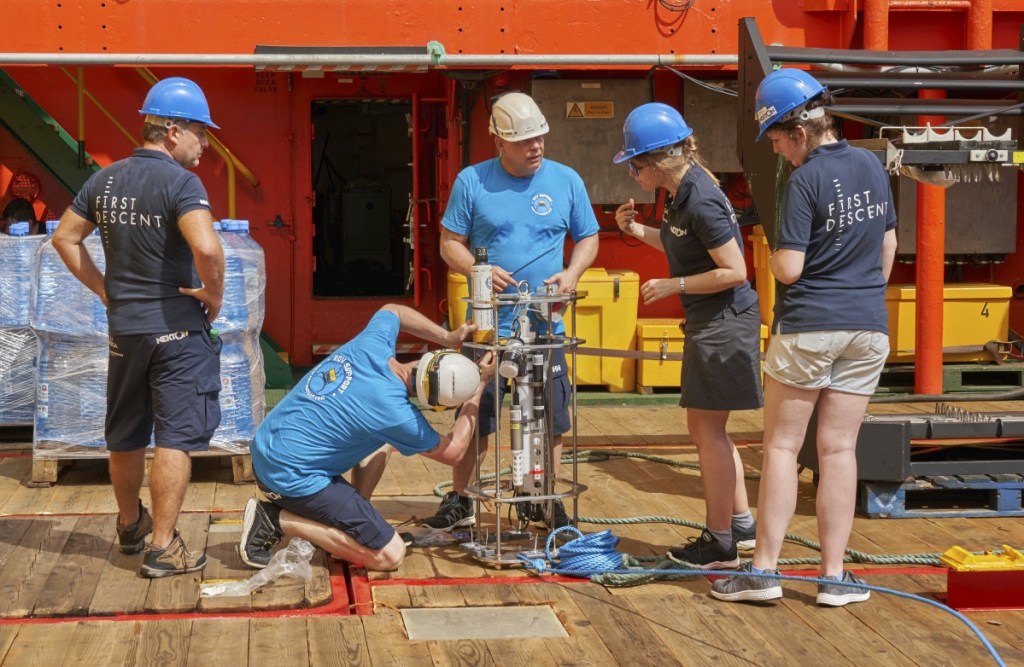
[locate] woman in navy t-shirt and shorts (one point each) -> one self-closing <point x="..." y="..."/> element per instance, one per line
<point x="834" y="249"/>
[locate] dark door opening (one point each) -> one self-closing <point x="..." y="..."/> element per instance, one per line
<point x="362" y="177"/>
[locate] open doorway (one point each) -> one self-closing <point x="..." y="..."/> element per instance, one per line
<point x="362" y="178"/>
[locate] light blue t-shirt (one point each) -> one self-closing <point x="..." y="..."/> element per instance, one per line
<point x="344" y="409"/>
<point x="522" y="222"/>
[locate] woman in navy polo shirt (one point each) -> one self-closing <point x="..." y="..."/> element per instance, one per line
<point x="721" y="359"/>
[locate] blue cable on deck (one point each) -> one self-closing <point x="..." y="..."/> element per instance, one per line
<point x="590" y="555"/>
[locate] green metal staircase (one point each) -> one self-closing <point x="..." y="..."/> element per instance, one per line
<point x="52" y="147"/>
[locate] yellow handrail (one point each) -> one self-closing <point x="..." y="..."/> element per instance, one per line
<point x="81" y="112"/>
<point x="222" y="150"/>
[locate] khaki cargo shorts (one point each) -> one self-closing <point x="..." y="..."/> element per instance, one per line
<point x="846" y="361"/>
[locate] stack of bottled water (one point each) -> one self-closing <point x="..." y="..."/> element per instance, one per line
<point x="70" y="323"/>
<point x="242" y="402"/>
<point x="17" y="342"/>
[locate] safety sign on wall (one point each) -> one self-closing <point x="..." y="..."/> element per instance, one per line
<point x="590" y="109"/>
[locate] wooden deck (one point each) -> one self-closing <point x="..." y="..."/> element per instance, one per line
<point x="69" y="596"/>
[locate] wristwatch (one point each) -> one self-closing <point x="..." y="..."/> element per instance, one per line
<point x="682" y="285"/>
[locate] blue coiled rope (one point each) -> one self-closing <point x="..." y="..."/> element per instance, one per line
<point x="594" y="555"/>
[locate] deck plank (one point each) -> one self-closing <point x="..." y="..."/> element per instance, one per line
<point x="14" y="472"/>
<point x="30" y="563"/>
<point x="685" y="617"/>
<point x="162" y="643"/>
<point x="220" y="641"/>
<point x="41" y="645"/>
<point x="463" y="652"/>
<point x="584" y="646"/>
<point x="224" y="564"/>
<point x="387" y="643"/>
<point x="337" y="640"/>
<point x="626" y="635"/>
<point x="104" y="643"/>
<point x="70" y="588"/>
<point x="278" y="641"/>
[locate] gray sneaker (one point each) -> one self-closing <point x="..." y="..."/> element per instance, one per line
<point x="837" y="595"/>
<point x="171" y="560"/>
<point x="746" y="588"/>
<point x="132" y="540"/>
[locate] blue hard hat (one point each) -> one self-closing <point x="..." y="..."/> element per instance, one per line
<point x="782" y="96"/>
<point x="650" y="127"/>
<point x="176" y="97"/>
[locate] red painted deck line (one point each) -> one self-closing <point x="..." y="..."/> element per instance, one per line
<point x="461" y="581"/>
<point x="15" y="455"/>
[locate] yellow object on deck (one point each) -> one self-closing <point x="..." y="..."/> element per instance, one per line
<point x="764" y="281"/>
<point x="972" y="315"/>
<point x="606" y="319"/>
<point x="962" y="560"/>
<point x="664" y="336"/>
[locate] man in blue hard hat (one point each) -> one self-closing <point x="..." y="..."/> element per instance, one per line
<point x="163" y="376"/>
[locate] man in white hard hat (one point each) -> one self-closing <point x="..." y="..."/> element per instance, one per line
<point x="343" y="411"/>
<point x="520" y="207"/>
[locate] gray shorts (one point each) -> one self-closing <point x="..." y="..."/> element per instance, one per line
<point x="846" y="361"/>
<point x="722" y="363"/>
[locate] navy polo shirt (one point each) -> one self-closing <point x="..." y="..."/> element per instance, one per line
<point x="838" y="206"/>
<point x="698" y="219"/>
<point x="137" y="202"/>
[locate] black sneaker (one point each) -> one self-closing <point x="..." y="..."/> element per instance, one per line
<point x="259" y="533"/>
<point x="172" y="559"/>
<point x="836" y="595"/>
<point x="745" y="539"/>
<point x="132" y="540"/>
<point x="559" y="518"/>
<point x="454" y="511"/>
<point x="745" y="588"/>
<point x="705" y="553"/>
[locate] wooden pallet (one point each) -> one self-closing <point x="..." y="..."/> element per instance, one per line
<point x="46" y="469"/>
<point x="997" y="495"/>
<point x="973" y="378"/>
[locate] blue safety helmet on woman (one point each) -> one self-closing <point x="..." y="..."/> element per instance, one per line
<point x="650" y="127"/>
<point x="783" y="95"/>
<point x="176" y="97"/>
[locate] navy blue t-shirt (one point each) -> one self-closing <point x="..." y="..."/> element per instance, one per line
<point x="698" y="219"/>
<point x="837" y="207"/>
<point x="136" y="202"/>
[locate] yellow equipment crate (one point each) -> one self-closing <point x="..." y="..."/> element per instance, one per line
<point x="972" y="315"/>
<point x="664" y="336"/>
<point x="764" y="281"/>
<point x="458" y="289"/>
<point x="606" y="318"/>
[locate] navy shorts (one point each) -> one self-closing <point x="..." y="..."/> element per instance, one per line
<point x="561" y="394"/>
<point x="338" y="505"/>
<point x="163" y="387"/>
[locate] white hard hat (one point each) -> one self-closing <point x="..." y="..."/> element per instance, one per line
<point x="516" y="117"/>
<point x="445" y="379"/>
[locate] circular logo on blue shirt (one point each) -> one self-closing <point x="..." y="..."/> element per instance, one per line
<point x="332" y="375"/>
<point x="541" y="204"/>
